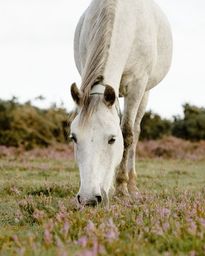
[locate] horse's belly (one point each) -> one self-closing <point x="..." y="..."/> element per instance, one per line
<point x="164" y="57"/>
<point x="151" y="52"/>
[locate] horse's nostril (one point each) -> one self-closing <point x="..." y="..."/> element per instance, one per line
<point x="78" y="197"/>
<point x="92" y="203"/>
<point x="99" y="199"/>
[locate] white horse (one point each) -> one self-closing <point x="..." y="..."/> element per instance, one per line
<point x="122" y="48"/>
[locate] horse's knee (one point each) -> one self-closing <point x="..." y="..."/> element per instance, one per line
<point x="122" y="177"/>
<point x="128" y="136"/>
<point x="122" y="180"/>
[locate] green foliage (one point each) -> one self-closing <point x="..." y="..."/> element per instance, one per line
<point x="154" y="127"/>
<point x="24" y="124"/>
<point x="192" y="126"/>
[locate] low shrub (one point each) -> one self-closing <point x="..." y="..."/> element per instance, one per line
<point x="27" y="125"/>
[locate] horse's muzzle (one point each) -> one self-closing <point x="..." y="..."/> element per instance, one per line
<point x="96" y="200"/>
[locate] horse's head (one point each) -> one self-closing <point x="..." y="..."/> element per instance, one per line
<point x="98" y="142"/>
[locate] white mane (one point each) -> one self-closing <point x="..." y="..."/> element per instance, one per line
<point x="99" y="42"/>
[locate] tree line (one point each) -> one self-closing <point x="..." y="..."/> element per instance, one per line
<point x="29" y="126"/>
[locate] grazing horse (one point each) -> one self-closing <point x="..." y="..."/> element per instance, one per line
<point x="122" y="48"/>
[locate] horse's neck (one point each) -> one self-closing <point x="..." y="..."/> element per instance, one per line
<point x="121" y="42"/>
<point x="109" y="39"/>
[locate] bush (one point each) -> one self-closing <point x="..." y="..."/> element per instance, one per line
<point x="154" y="127"/>
<point x="24" y="124"/>
<point x="192" y="126"/>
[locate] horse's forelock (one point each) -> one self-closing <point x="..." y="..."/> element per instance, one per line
<point x="88" y="108"/>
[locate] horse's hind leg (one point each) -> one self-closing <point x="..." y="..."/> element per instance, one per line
<point x="132" y="102"/>
<point x="132" y="186"/>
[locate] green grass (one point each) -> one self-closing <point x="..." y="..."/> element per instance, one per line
<point x="38" y="215"/>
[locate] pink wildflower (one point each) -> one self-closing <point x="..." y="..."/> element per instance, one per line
<point x="62" y="252"/>
<point x="65" y="229"/>
<point x="83" y="241"/>
<point x="48" y="237"/>
<point x="192" y="228"/>
<point x="164" y="212"/>
<point x="165" y="226"/>
<point x="158" y="230"/>
<point x="86" y="253"/>
<point x="38" y="215"/>
<point x="59" y="243"/>
<point x="192" y="253"/>
<point x="96" y="250"/>
<point x="139" y="220"/>
<point x="62" y="214"/>
<point x="21" y="251"/>
<point x="112" y="233"/>
<point x="16" y="240"/>
<point x="202" y="222"/>
<point x="90" y="228"/>
<point x="18" y="216"/>
<point x="15" y="190"/>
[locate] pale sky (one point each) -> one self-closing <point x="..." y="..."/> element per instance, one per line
<point x="36" y="52"/>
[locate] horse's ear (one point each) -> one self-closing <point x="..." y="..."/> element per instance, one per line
<point x="109" y="96"/>
<point x="76" y="94"/>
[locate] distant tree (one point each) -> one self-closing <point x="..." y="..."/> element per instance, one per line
<point x="40" y="98"/>
<point x="154" y="127"/>
<point x="192" y="125"/>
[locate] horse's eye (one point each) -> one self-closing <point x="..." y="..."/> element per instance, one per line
<point x="73" y="138"/>
<point x="111" y="141"/>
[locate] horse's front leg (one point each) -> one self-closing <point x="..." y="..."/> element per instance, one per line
<point x="132" y="185"/>
<point x="131" y="105"/>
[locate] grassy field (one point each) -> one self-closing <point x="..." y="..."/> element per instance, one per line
<point x="38" y="215"/>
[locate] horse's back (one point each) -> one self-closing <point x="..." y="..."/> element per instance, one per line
<point x="164" y="48"/>
<point x="152" y="48"/>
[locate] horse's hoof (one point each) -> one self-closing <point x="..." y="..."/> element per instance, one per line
<point x="121" y="190"/>
<point x="134" y="193"/>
